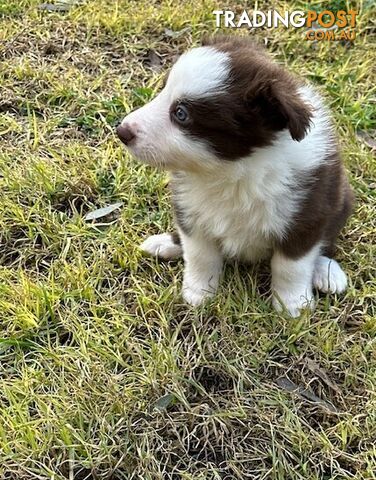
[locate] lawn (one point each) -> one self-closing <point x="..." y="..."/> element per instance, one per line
<point x="104" y="372"/>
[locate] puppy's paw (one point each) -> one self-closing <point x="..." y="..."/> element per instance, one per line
<point x="162" y="246"/>
<point x="293" y="304"/>
<point x="328" y="276"/>
<point x="195" y="296"/>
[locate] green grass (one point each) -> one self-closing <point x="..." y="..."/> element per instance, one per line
<point x="104" y="372"/>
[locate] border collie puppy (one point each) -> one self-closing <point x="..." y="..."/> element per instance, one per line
<point x="255" y="172"/>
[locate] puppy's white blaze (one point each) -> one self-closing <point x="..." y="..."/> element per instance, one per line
<point x="199" y="72"/>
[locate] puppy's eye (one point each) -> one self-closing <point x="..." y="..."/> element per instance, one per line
<point x="181" y="113"/>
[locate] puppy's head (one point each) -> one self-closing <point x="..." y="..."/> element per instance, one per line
<point x="220" y="102"/>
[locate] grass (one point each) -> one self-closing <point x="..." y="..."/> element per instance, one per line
<point x="104" y="373"/>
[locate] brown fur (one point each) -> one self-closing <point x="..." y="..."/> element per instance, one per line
<point x="260" y="101"/>
<point x="324" y="211"/>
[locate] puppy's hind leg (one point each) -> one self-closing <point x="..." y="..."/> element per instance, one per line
<point x="292" y="281"/>
<point x="165" y="246"/>
<point x="328" y="276"/>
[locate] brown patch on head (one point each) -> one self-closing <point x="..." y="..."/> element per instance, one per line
<point x="260" y="100"/>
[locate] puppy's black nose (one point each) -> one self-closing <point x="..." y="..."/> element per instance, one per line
<point x="125" y="133"/>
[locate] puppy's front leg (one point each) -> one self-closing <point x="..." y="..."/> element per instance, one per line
<point x="292" y="281"/>
<point x="202" y="268"/>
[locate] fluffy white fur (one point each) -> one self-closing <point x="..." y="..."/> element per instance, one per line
<point x="328" y="276"/>
<point x="203" y="265"/>
<point x="239" y="207"/>
<point x="292" y="281"/>
<point x="162" y="246"/>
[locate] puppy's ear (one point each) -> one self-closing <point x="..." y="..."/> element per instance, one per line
<point x="281" y="106"/>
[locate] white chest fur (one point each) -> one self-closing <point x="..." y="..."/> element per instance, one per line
<point x="244" y="207"/>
